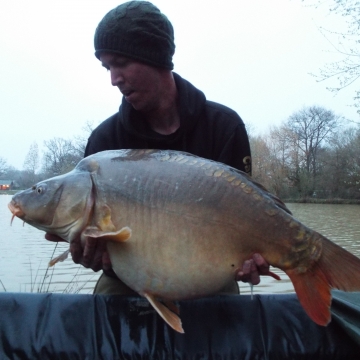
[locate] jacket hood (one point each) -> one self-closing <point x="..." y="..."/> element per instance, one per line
<point x="191" y="104"/>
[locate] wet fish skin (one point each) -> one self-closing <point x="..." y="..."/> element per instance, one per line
<point x="179" y="227"/>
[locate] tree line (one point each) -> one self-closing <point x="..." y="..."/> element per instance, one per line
<point x="59" y="156"/>
<point x="312" y="154"/>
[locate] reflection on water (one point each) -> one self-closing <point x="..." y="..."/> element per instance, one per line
<point x="24" y="253"/>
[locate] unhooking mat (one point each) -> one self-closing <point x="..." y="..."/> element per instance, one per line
<point x="67" y="326"/>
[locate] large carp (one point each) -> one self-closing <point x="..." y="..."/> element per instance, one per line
<point x="179" y="227"/>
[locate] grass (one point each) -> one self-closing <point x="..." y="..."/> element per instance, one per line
<point x="74" y="286"/>
<point x="3" y="285"/>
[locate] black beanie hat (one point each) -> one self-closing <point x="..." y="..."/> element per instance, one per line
<point x="138" y="30"/>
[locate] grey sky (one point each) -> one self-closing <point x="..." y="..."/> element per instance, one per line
<point x="253" y="56"/>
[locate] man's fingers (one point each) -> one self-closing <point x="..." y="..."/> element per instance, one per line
<point x="263" y="267"/>
<point x="106" y="263"/>
<point x="89" y="252"/>
<point x="97" y="261"/>
<point x="93" y="255"/>
<point x="261" y="264"/>
<point x="52" y="237"/>
<point x="245" y="274"/>
<point x="275" y="276"/>
<point x="253" y="268"/>
<point x="254" y="274"/>
<point x="76" y="251"/>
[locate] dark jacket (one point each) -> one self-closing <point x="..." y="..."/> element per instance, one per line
<point x="207" y="129"/>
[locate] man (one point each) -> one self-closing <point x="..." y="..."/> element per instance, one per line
<point x="159" y="110"/>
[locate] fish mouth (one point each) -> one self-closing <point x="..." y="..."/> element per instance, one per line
<point x="15" y="210"/>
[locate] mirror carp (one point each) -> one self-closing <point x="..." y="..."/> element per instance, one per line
<point x="178" y="226"/>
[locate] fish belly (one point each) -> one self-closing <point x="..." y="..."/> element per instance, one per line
<point x="177" y="257"/>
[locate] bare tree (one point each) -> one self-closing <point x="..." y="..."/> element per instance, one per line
<point x="3" y="166"/>
<point x="80" y="141"/>
<point x="346" y="43"/>
<point x="341" y="166"/>
<point x="60" y="157"/>
<point x="309" y="130"/>
<point x="284" y="144"/>
<point x="312" y="125"/>
<point x="31" y="164"/>
<point x="260" y="155"/>
<point x="265" y="164"/>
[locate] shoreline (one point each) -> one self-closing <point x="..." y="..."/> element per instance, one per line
<point x="323" y="201"/>
<point x="308" y="200"/>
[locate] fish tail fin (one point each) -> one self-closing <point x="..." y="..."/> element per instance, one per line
<point x="336" y="268"/>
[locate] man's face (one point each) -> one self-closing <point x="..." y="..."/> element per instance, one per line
<point x="139" y="83"/>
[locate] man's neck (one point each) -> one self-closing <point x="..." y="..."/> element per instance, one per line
<point x="165" y="119"/>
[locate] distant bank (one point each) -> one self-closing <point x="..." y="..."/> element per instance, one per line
<point x="8" y="192"/>
<point x="323" y="201"/>
<point x="309" y="200"/>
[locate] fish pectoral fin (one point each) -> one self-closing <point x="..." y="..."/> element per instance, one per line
<point x="59" y="258"/>
<point x="169" y="316"/>
<point x="121" y="235"/>
<point x="103" y="218"/>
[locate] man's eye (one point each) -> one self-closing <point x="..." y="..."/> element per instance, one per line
<point x="122" y="63"/>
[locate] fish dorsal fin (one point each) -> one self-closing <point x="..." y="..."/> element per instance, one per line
<point x="118" y="236"/>
<point x="59" y="258"/>
<point x="170" y="317"/>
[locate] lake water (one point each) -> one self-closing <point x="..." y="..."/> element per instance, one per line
<point x="24" y="253"/>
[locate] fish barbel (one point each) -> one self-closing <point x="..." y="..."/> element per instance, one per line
<point x="179" y="227"/>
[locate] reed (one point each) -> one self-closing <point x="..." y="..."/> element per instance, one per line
<point x="2" y="285"/>
<point x="44" y="283"/>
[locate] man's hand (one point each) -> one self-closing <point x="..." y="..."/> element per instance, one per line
<point x="253" y="268"/>
<point x="94" y="254"/>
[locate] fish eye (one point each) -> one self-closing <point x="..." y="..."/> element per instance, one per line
<point x="38" y="188"/>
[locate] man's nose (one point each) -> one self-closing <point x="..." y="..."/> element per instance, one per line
<point x="116" y="77"/>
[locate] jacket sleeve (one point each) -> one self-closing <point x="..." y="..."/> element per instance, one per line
<point x="236" y="151"/>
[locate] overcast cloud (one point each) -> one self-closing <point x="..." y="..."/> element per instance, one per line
<point x="253" y="56"/>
